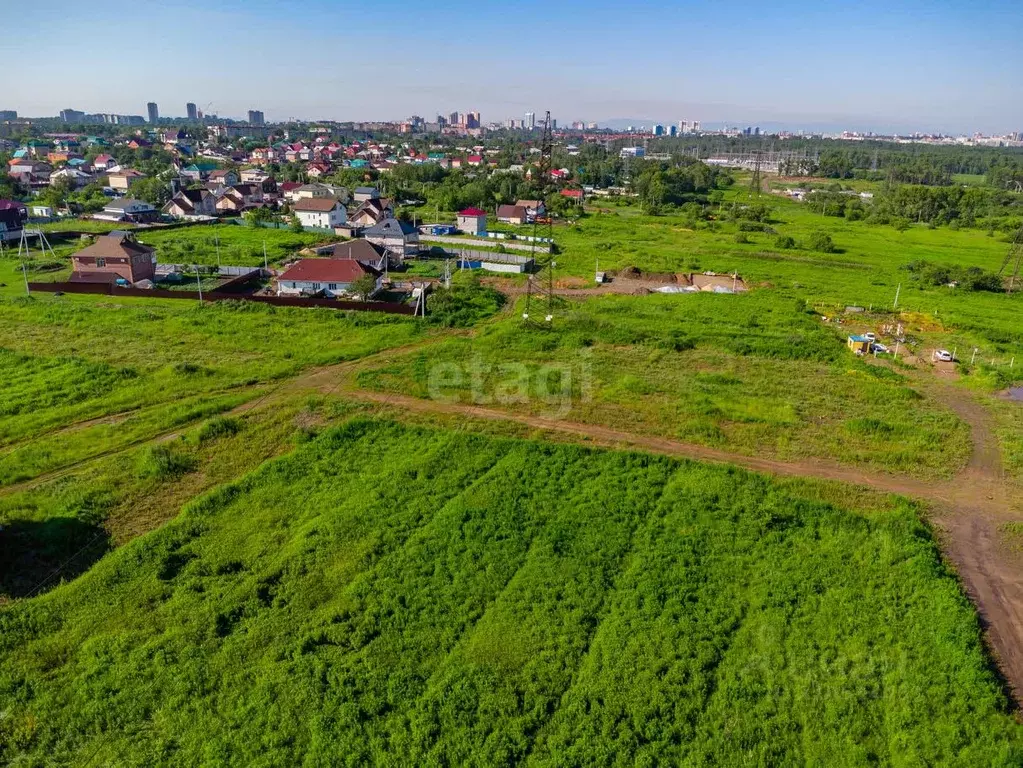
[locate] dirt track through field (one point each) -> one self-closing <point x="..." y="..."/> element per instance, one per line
<point x="966" y="511"/>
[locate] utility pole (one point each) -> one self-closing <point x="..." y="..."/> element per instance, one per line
<point x="974" y="356"/>
<point x="266" y="265"/>
<point x="216" y="238"/>
<point x="896" y="304"/>
<point x="198" y="281"/>
<point x="24" y="273"/>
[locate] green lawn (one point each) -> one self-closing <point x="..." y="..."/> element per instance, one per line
<point x="238" y="245"/>
<point x="388" y="595"/>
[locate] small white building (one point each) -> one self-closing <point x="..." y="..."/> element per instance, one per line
<point x="472" y="220"/>
<point x="319" y="212"/>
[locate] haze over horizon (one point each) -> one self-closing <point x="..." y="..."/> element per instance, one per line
<point x="887" y="67"/>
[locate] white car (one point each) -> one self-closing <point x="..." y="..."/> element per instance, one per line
<point x="870" y="336"/>
<point x="943" y="355"/>
<point x="878" y="347"/>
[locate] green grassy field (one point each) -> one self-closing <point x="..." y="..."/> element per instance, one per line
<point x="71" y="359"/>
<point x="304" y="582"/>
<point x="239" y="245"/>
<point x="749" y="373"/>
<point x="506" y="602"/>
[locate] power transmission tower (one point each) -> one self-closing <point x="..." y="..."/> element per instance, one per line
<point x="543" y="186"/>
<point x="1015" y="256"/>
<point x="754" y="183"/>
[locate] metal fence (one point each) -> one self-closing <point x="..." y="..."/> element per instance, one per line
<point x="110" y="289"/>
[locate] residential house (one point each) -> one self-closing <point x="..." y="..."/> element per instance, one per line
<point x="26" y="166"/>
<point x="399" y="238"/>
<point x="198" y="171"/>
<point x="312" y="192"/>
<point x="512" y="214"/>
<point x="318" y="170"/>
<point x="288" y="190"/>
<point x="139" y="143"/>
<point x="574" y="194"/>
<point x="42" y="212"/>
<point x="13" y="216"/>
<point x="533" y="208"/>
<point x="113" y="257"/>
<point x="319" y="212"/>
<point x="76" y="177"/>
<point x="362" y="194"/>
<point x="324" y="277"/>
<point x="251" y="194"/>
<point x="103" y="163"/>
<point x="122" y="180"/>
<point x="372" y="212"/>
<point x="362" y="251"/>
<point x="61" y="156"/>
<point x="254" y="176"/>
<point x="240" y="198"/>
<point x="226" y="177"/>
<point x="190" y="203"/>
<point x="472" y="220"/>
<point x="127" y="209"/>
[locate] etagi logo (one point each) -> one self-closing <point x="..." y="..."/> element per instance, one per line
<point x="547" y="389"/>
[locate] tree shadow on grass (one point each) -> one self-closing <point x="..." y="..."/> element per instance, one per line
<point x="36" y="555"/>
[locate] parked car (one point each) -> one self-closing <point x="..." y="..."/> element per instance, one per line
<point x="878" y="347"/>
<point x="943" y="355"/>
<point x="870" y="336"/>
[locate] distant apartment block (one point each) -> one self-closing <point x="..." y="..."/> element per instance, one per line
<point x="154" y="112"/>
<point x="8" y="114"/>
<point x="191" y="111"/>
<point x="256" y="117"/>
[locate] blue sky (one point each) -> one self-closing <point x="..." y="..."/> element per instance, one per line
<point x="896" y="65"/>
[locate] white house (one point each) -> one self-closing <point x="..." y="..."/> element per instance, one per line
<point x="472" y="220"/>
<point x="327" y="277"/>
<point x="322" y="213"/>
<point x="127" y="209"/>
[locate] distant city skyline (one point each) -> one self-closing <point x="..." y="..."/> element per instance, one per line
<point x="895" y="66"/>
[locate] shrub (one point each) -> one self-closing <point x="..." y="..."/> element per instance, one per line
<point x="161" y="462"/>
<point x="821" y="241"/>
<point x="221" y="426"/>
<point x="741" y="237"/>
<point x="785" y="242"/>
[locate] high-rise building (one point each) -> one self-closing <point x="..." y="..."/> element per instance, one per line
<point x="71" y="115"/>
<point x="154" y="113"/>
<point x="453" y="119"/>
<point x="193" y="113"/>
<point x="255" y="117"/>
<point x="673" y="130"/>
<point x="658" y="130"/>
<point x="683" y="126"/>
<point x="591" y="126"/>
<point x="8" y="114"/>
<point x="696" y="126"/>
<point x="554" y="124"/>
<point x="472" y="120"/>
<point x="530" y="121"/>
<point x="441" y="121"/>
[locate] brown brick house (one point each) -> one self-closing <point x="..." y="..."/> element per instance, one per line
<point x="117" y="255"/>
